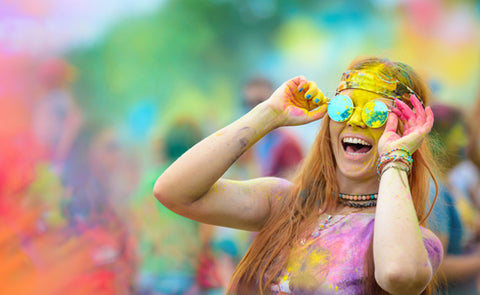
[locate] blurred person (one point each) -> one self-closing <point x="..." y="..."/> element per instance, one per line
<point x="56" y="117"/>
<point x="454" y="218"/>
<point x="465" y="176"/>
<point x="279" y="152"/>
<point x="96" y="214"/>
<point x="169" y="245"/>
<point x="474" y="120"/>
<point x="353" y="220"/>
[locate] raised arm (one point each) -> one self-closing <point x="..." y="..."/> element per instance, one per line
<point x="192" y="187"/>
<point x="402" y="264"/>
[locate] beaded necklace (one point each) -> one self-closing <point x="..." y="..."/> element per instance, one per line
<point x="321" y="225"/>
<point x="359" y="201"/>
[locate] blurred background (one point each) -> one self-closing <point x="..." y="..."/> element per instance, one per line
<point x="97" y="98"/>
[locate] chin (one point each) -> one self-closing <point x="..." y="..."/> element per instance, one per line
<point x="354" y="172"/>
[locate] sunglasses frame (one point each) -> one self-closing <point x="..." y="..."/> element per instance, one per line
<point x="363" y="108"/>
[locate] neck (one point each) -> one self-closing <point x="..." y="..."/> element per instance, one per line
<point x="357" y="186"/>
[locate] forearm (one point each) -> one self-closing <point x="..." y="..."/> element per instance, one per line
<point x="194" y="173"/>
<point x="461" y="267"/>
<point x="400" y="258"/>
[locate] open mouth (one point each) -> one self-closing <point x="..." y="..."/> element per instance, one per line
<point x="354" y="145"/>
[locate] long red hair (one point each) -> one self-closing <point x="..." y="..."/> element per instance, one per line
<point x="314" y="189"/>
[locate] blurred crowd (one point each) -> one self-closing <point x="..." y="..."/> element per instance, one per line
<point x="81" y="146"/>
<point x="78" y="213"/>
<point x="77" y="208"/>
<point x="455" y="218"/>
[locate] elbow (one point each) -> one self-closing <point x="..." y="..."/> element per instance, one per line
<point x="160" y="193"/>
<point x="157" y="192"/>
<point x="401" y="279"/>
<point x="169" y="197"/>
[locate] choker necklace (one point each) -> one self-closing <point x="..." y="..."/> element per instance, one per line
<point x="358" y="201"/>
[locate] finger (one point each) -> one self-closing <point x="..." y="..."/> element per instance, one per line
<point x="421" y="131"/>
<point x="399" y="113"/>
<point x="293" y="90"/>
<point x="311" y="89"/>
<point x="298" y="83"/>
<point x="318" y="113"/>
<point x="319" y="99"/>
<point x="392" y="123"/>
<point x="405" y="109"/>
<point x="417" y="105"/>
<point x="430" y="117"/>
<point x="419" y="111"/>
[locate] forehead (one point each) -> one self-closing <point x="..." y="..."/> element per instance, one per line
<point x="360" y="94"/>
<point x="361" y="97"/>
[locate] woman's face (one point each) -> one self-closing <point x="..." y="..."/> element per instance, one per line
<point x="354" y="144"/>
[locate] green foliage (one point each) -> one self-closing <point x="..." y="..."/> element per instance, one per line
<point x="196" y="43"/>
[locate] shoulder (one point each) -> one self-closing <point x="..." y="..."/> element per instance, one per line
<point x="276" y="188"/>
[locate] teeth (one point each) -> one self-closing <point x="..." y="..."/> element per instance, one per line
<point x="354" y="140"/>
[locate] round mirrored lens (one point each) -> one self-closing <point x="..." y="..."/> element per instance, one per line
<point x="340" y="108"/>
<point x="375" y="113"/>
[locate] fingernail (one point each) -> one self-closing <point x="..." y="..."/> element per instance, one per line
<point x="308" y="96"/>
<point x="317" y="100"/>
<point x="300" y="90"/>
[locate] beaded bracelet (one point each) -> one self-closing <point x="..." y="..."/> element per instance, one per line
<point x="395" y="166"/>
<point x="387" y="154"/>
<point x="399" y="149"/>
<point x="386" y="158"/>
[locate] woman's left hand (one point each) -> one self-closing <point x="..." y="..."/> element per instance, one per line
<point x="417" y="124"/>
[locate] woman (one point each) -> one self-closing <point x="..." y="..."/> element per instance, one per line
<point x="346" y="224"/>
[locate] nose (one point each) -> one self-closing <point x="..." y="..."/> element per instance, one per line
<point x="356" y="119"/>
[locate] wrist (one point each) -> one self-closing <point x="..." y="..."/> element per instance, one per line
<point x="400" y="156"/>
<point x="268" y="115"/>
<point x="264" y="117"/>
<point x="400" y="166"/>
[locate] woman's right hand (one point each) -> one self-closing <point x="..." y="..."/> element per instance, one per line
<point x="297" y="101"/>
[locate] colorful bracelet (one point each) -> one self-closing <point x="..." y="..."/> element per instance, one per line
<point x="386" y="158"/>
<point x="398" y="149"/>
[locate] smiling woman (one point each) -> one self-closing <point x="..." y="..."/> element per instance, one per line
<point x="352" y="221"/>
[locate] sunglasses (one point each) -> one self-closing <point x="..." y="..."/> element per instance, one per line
<point x="374" y="112"/>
